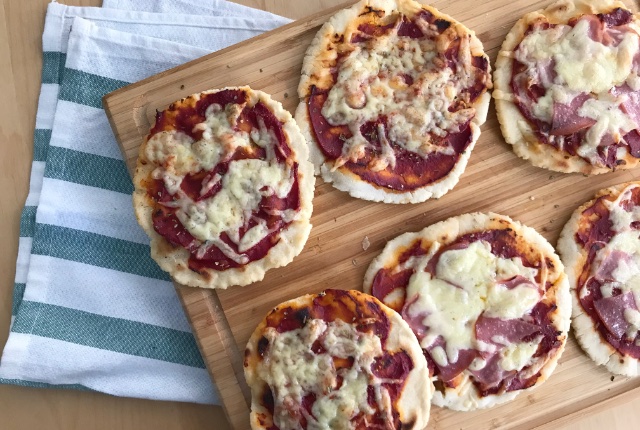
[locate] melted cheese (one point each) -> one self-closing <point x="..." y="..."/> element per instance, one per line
<point x="243" y="186"/>
<point x="518" y="355"/>
<point x="371" y="83"/>
<point x="626" y="240"/>
<point x="173" y="146"/>
<point x="609" y="120"/>
<point x="179" y="153"/>
<point x="582" y="65"/>
<point x="466" y="285"/>
<point x="292" y="370"/>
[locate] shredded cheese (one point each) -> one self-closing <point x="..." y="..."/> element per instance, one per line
<point x="244" y="185"/>
<point x="626" y="274"/>
<point x="397" y="77"/>
<point x="466" y="285"/>
<point x="292" y="370"/>
<point x="582" y="66"/>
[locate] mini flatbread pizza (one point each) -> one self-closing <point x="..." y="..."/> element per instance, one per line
<point x="223" y="188"/>
<point x="600" y="247"/>
<point x="488" y="300"/>
<point x="393" y="94"/>
<point x="567" y="87"/>
<point x="336" y="360"/>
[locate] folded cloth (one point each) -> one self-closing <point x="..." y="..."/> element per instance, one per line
<point x="206" y="7"/>
<point x="96" y="312"/>
<point x="202" y="31"/>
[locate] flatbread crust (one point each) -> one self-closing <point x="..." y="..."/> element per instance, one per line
<point x="413" y="404"/>
<point x="465" y="397"/>
<point x="516" y="129"/>
<point x="174" y="259"/>
<point x="574" y="257"/>
<point x="316" y="70"/>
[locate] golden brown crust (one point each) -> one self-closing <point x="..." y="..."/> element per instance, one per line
<point x="174" y="259"/>
<point x="316" y="71"/>
<point x="574" y="258"/>
<point x="413" y="403"/>
<point x="531" y="244"/>
<point x="516" y="129"/>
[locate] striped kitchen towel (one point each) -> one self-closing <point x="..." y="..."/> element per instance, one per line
<point x="91" y="309"/>
<point x="204" y="7"/>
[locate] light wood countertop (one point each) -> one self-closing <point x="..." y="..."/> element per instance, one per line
<point x="21" y="24"/>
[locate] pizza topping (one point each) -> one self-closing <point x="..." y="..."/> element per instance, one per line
<point x="617" y="17"/>
<point x="365" y="91"/>
<point x="328" y="373"/>
<point x="504" y="331"/>
<point x="465" y="286"/>
<point x="477" y="306"/>
<point x="609" y="286"/>
<point x="226" y="187"/>
<point x="577" y="85"/>
<point x="332" y="305"/>
<point x="401" y="94"/>
<point x="292" y="370"/>
<point x="613" y="313"/>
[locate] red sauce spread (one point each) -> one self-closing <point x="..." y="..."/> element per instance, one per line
<point x="594" y="233"/>
<point x="411" y="171"/>
<point x="528" y="91"/>
<point x="368" y="317"/>
<point x="506" y="244"/>
<point x="184" y="117"/>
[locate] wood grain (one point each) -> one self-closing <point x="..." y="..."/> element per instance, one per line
<point x="495" y="180"/>
<point x="21" y="24"/>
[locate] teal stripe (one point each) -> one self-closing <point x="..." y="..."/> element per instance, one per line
<point x="18" y="292"/>
<point x="95" y="250"/>
<point x="41" y="139"/>
<point x="44" y="385"/>
<point x="52" y="67"/>
<point x="88" y="169"/>
<point x="113" y="334"/>
<point x="27" y="221"/>
<point x="86" y="88"/>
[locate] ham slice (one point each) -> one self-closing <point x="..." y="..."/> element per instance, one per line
<point x="631" y="106"/>
<point x="492" y="373"/>
<point x="566" y="120"/>
<point x="515" y="330"/>
<point x="631" y="103"/>
<point x="415" y="320"/>
<point x="596" y="28"/>
<point x="451" y="370"/>
<point x="611" y="313"/>
<point x="546" y="71"/>
<point x="618" y="16"/>
<point x="633" y="140"/>
<point x="609" y="264"/>
<point x="517" y="281"/>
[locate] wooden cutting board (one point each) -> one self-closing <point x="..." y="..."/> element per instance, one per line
<point x="334" y="256"/>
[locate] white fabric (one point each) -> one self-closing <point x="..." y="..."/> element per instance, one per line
<point x="205" y="7"/>
<point x="30" y="358"/>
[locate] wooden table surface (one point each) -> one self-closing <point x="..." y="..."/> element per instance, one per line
<point x="21" y="24"/>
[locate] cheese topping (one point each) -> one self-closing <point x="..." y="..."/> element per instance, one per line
<point x="467" y="284"/>
<point x="244" y="184"/>
<point x="179" y="154"/>
<point x="292" y="370"/>
<point x="397" y="77"/>
<point x="627" y="270"/>
<point x="517" y="355"/>
<point x="582" y="65"/>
